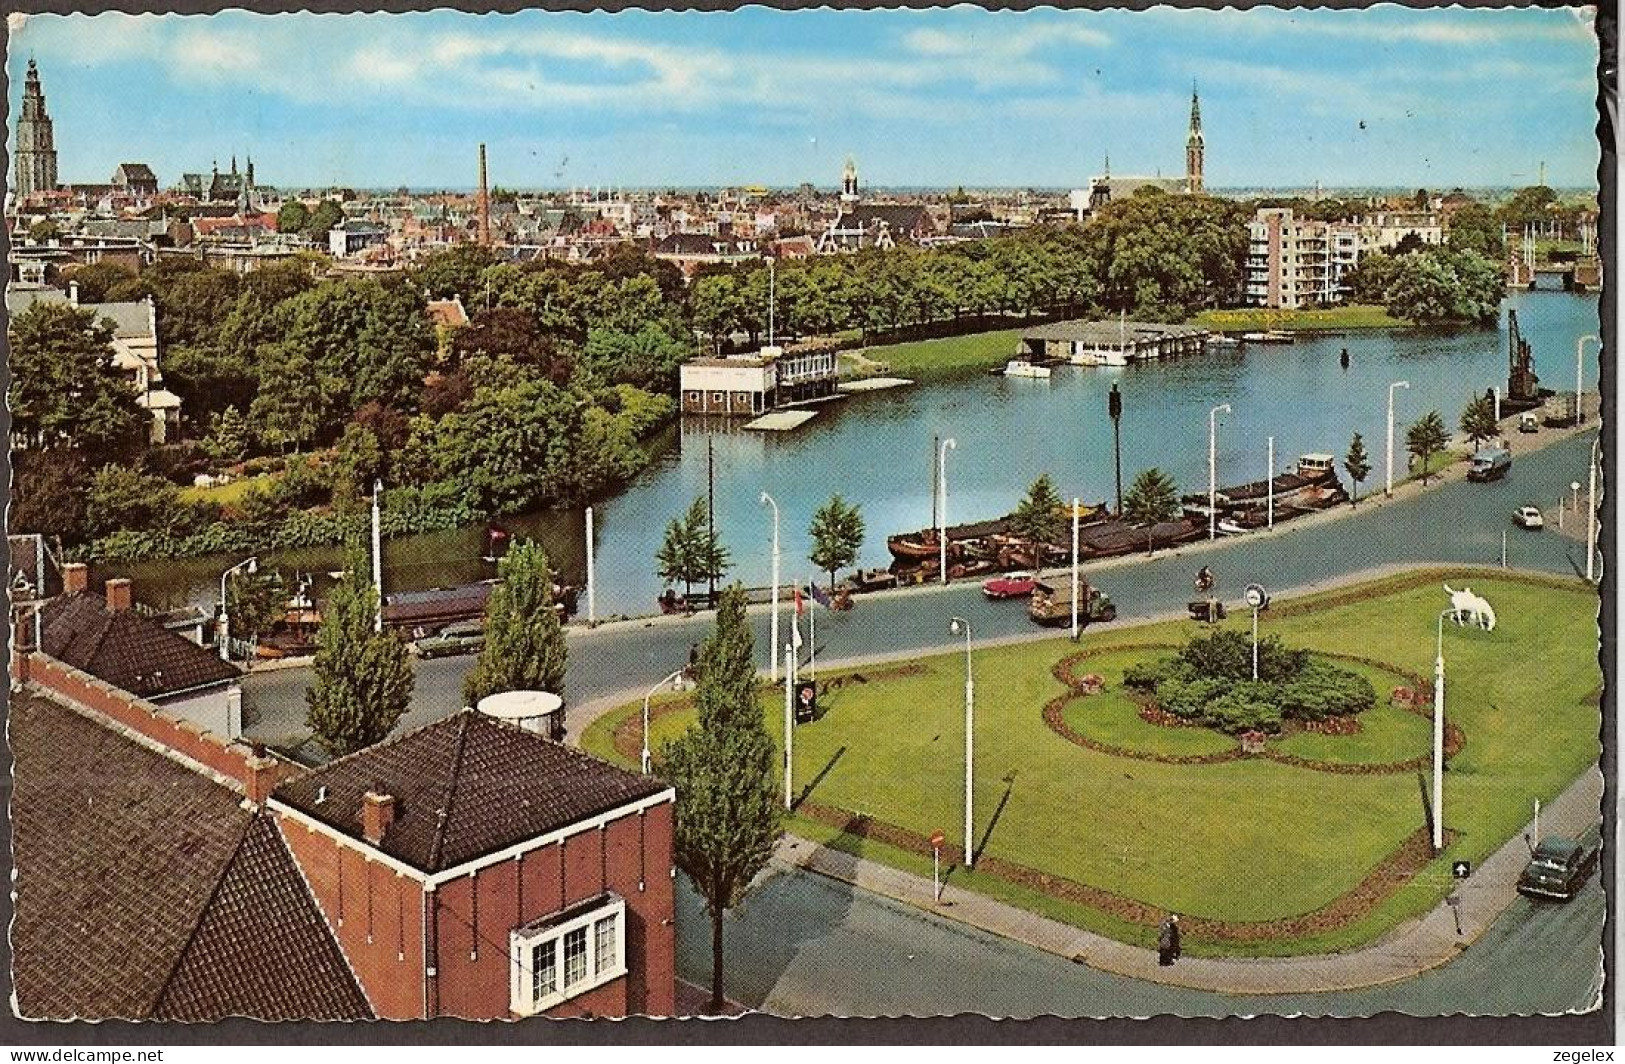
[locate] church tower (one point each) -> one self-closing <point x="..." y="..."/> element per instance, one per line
<point x="34" y="166"/>
<point x="849" y="183"/>
<point x="1193" y="147"/>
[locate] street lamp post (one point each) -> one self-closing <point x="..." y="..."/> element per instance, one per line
<point x="1074" y="569"/>
<point x="1574" y="486"/>
<point x="253" y="566"/>
<point x="377" y="557"/>
<point x="949" y="444"/>
<point x="1438" y="737"/>
<point x="955" y="626"/>
<point x="592" y="575"/>
<point x="789" y="717"/>
<point x="1591" y="517"/>
<point x="672" y="679"/>
<point x="1388" y="488"/>
<point x="773" y="639"/>
<point x="1213" y="465"/>
<point x="1579" y="376"/>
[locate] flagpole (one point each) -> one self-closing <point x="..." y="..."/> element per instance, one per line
<point x="812" y="657"/>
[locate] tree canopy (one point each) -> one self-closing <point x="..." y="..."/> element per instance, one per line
<point x="837" y="534"/>
<point x="1358" y="465"/>
<point x="65" y="392"/>
<point x="1040" y="516"/>
<point x="1426" y="438"/>
<point x="362" y="679"/>
<point x="524" y="641"/>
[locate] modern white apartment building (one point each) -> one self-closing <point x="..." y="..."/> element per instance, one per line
<point x="1295" y="262"/>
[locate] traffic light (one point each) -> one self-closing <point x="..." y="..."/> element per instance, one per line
<point x="1114" y="403"/>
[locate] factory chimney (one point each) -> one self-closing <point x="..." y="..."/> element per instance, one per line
<point x="484" y="203"/>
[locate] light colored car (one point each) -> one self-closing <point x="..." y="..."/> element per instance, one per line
<point x="1527" y="517"/>
<point x="464" y="637"/>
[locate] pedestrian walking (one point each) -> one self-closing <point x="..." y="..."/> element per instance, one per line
<point x="1168" y="941"/>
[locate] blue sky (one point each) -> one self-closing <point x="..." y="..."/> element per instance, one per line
<point x="1383" y="96"/>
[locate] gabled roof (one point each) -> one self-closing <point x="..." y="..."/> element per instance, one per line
<point x="262" y="948"/>
<point x="129" y="319"/>
<point x="898" y="217"/>
<point x="464" y="787"/>
<point x="127" y="650"/>
<point x="144" y="889"/>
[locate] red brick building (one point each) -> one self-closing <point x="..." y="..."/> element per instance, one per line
<point x="474" y="869"/>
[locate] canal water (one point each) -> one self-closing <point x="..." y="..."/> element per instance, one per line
<point x="876" y="450"/>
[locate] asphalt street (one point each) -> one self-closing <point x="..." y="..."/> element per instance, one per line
<point x="1454" y="522"/>
<point x="805" y="945"/>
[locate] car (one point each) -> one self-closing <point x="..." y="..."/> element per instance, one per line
<point x="1010" y="585"/>
<point x="1527" y="517"/>
<point x="464" y="637"/>
<point x="1558" y="868"/>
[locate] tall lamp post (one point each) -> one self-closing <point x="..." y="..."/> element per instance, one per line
<point x="773" y="639"/>
<point x="377" y="556"/>
<point x="1388" y="488"/>
<point x="1074" y="569"/>
<point x="955" y="626"/>
<point x="1270" y="480"/>
<point x="253" y="566"/>
<point x="1591" y="516"/>
<point x="1213" y="466"/>
<point x="949" y="444"/>
<point x="1438" y="737"/>
<point x="1579" y="376"/>
<point x="672" y="679"/>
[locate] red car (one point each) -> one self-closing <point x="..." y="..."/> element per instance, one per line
<point x="1010" y="585"/>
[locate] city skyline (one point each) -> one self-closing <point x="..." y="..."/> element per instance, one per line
<point x="1382" y="97"/>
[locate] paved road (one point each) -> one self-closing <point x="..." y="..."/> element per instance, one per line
<point x="1455" y="522"/>
<point x="805" y="945"/>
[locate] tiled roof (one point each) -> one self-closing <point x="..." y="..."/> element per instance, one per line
<point x="117" y="850"/>
<point x="127" y="650"/>
<point x="464" y="787"/>
<point x="144" y="889"/>
<point x="262" y="949"/>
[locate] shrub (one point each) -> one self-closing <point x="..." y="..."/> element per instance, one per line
<point x="1322" y="690"/>
<point x="1245" y="707"/>
<point x="1147" y="675"/>
<point x="1189" y="698"/>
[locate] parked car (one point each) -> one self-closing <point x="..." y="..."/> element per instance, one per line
<point x="1010" y="585"/>
<point x="1558" y="868"/>
<point x="464" y="637"/>
<point x="1528" y="517"/>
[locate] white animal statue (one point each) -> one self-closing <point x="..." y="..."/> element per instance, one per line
<point x="1468" y="608"/>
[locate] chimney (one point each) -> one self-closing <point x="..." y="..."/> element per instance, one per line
<point x="75" y="578"/>
<point x="119" y="594"/>
<point x="261" y="774"/>
<point x="377" y="814"/>
<point x="484" y="203"/>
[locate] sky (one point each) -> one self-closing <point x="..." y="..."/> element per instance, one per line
<point x="1385" y="96"/>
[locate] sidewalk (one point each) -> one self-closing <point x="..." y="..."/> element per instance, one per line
<point x="1406" y="951"/>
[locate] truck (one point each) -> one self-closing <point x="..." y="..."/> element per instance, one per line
<point x="1492" y="463"/>
<point x="1052" y="605"/>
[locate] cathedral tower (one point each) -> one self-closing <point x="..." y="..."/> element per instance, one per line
<point x="1193" y="147"/>
<point x="849" y="182"/>
<point x="34" y="167"/>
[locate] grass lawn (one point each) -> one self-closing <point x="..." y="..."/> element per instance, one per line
<point x="1242" y="840"/>
<point x="228" y="494"/>
<point x="1251" y="319"/>
<point x="927" y="358"/>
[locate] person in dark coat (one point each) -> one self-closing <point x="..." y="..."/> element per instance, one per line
<point x="1168" y="941"/>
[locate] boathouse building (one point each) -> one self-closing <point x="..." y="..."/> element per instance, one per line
<point x="1110" y="343"/>
<point x="749" y="385"/>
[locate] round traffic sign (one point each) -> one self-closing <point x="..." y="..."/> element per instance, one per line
<point x="1257" y="597"/>
<point x="937" y="839"/>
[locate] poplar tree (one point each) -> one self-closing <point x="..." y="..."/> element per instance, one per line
<point x="363" y="678"/>
<point x="524" y="640"/>
<point x="1358" y="465"/>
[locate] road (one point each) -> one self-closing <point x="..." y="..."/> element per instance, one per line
<point x="1454" y="522"/>
<point x="805" y="945"/>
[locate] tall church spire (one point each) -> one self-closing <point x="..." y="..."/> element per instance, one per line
<point x="34" y="166"/>
<point x="1194" y="148"/>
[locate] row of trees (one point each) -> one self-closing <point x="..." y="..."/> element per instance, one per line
<point x="1432" y="285"/>
<point x="690" y="552"/>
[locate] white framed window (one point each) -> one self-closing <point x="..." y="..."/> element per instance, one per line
<point x="567" y="954"/>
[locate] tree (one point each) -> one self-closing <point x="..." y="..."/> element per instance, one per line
<point x="1426" y="438"/>
<point x="1358" y="465"/>
<point x="44" y="231"/>
<point x="254" y="603"/>
<point x="1039" y="517"/>
<point x="729" y="816"/>
<point x="687" y="554"/>
<point x="94" y="281"/>
<point x="524" y="642"/>
<point x="294" y="217"/>
<point x="363" y="679"/>
<point x="837" y="534"/>
<point x="1151" y="499"/>
<point x="1478" y="420"/>
<point x="48" y="494"/>
<point x="327" y="215"/>
<point x="229" y="437"/>
<point x="65" y="392"/>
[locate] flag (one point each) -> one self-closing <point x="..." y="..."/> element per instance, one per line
<point x="819" y="597"/>
<point x="795" y="629"/>
<point x="799" y="608"/>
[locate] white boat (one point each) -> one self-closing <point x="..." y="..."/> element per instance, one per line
<point x="1230" y="528"/>
<point x="1020" y="367"/>
<point x="1221" y="340"/>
